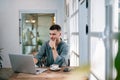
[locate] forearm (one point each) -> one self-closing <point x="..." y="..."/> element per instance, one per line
<point x="55" y="53"/>
<point x="62" y="58"/>
<point x="59" y="60"/>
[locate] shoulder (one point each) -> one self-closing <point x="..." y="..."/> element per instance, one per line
<point x="63" y="44"/>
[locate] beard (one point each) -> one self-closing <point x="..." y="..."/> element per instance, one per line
<point x="54" y="39"/>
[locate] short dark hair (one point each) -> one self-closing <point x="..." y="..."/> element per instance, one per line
<point x="55" y="27"/>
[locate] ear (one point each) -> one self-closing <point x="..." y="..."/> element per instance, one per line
<point x="60" y="33"/>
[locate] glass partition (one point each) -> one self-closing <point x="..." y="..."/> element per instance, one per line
<point x="35" y="30"/>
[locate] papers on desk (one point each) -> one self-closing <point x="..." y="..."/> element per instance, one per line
<point x="54" y="69"/>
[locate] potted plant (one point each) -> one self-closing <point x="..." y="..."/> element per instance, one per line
<point x="39" y="42"/>
<point x="1" y="58"/>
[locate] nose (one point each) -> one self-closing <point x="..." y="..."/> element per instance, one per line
<point x="51" y="35"/>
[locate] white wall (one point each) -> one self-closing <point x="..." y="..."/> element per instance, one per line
<point x="9" y="21"/>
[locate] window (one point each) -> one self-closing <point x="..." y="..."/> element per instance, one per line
<point x="74" y="33"/>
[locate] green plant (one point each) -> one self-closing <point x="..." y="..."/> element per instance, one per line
<point x="0" y="59"/>
<point x="39" y="42"/>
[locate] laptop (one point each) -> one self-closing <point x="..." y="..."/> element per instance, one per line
<point x="24" y="64"/>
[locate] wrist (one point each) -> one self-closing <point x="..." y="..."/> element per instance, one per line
<point x="53" y="48"/>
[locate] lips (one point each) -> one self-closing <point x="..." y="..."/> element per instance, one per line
<point x="52" y="39"/>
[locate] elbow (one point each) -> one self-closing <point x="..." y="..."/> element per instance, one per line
<point x="61" y="62"/>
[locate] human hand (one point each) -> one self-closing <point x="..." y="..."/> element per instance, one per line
<point x="52" y="43"/>
<point x="35" y="60"/>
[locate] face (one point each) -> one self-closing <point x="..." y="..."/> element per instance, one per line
<point x="54" y="34"/>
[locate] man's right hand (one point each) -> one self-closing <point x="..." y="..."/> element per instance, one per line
<point x="52" y="43"/>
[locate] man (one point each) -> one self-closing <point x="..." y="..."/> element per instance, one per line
<point x="55" y="50"/>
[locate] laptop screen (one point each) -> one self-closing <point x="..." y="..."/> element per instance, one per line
<point x="22" y="63"/>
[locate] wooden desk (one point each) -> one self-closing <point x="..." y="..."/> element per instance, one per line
<point x="49" y="75"/>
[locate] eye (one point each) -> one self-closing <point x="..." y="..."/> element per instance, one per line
<point x="52" y="34"/>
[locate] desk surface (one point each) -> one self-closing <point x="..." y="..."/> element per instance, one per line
<point x="51" y="75"/>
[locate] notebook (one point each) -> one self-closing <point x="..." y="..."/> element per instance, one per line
<point x="24" y="64"/>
